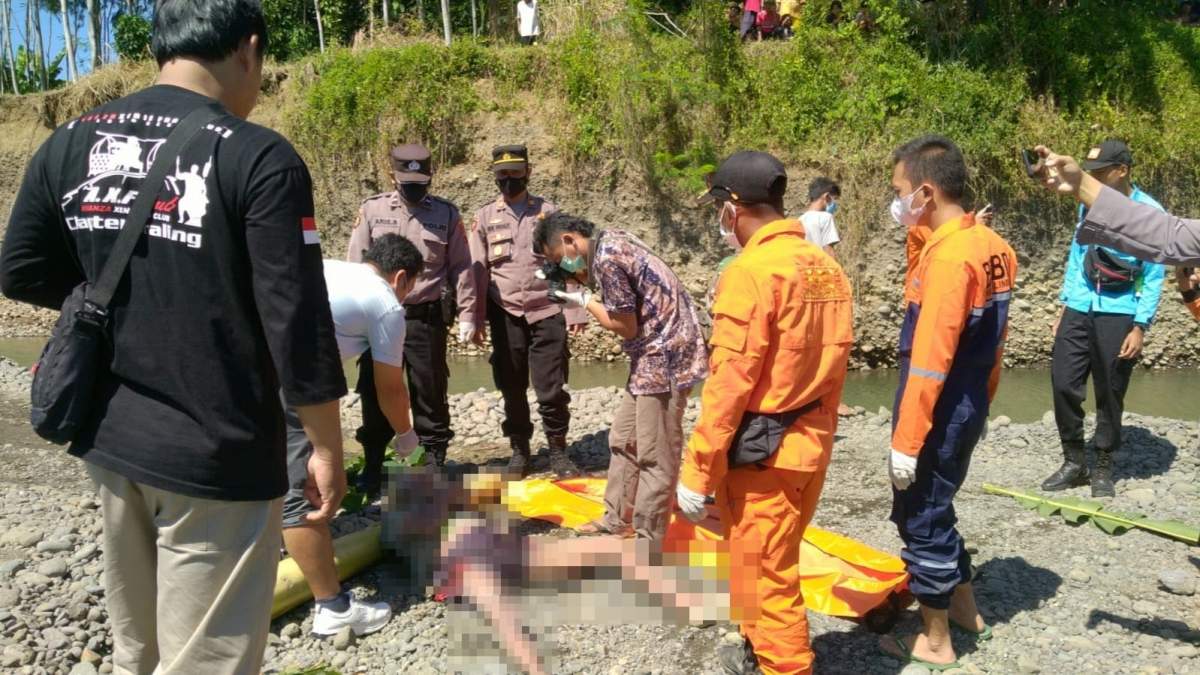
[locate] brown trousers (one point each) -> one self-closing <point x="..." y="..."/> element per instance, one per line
<point x="646" y="440"/>
<point x="189" y="582"/>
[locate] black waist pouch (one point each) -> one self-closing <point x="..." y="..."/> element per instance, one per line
<point x="759" y="435"/>
<point x="72" y="362"/>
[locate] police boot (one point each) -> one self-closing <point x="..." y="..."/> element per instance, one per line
<point x="1073" y="471"/>
<point x="560" y="461"/>
<point x="437" y="452"/>
<point x="518" y="465"/>
<point x="370" y="480"/>
<point x="1102" y="484"/>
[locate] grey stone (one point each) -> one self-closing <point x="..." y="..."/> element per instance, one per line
<point x="1080" y="576"/>
<point x="1145" y="608"/>
<point x="91" y="657"/>
<point x="55" y="638"/>
<point x="1179" y="582"/>
<point x="1048" y="419"/>
<point x="10" y="567"/>
<point x="1027" y="666"/>
<point x="1001" y="421"/>
<point x="344" y="639"/>
<point x="85" y="553"/>
<point x="914" y="669"/>
<point x="290" y="631"/>
<point x="55" y="546"/>
<point x="339" y="660"/>
<point x="1079" y="643"/>
<point x="1019" y="442"/>
<point x="20" y="536"/>
<point x="1183" y="651"/>
<point x="84" y="668"/>
<point x="105" y="668"/>
<point x="1143" y="496"/>
<point x="9" y="597"/>
<point x="54" y="567"/>
<point x="14" y="655"/>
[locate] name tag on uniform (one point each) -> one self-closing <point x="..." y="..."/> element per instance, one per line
<point x="387" y="221"/>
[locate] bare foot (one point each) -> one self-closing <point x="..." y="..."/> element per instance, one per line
<point x="918" y="647"/>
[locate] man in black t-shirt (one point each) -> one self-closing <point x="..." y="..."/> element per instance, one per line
<point x="222" y="306"/>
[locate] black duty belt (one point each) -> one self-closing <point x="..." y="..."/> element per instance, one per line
<point x="424" y="311"/>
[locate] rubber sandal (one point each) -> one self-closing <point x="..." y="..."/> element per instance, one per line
<point x="593" y="527"/>
<point x="979" y="635"/>
<point x="909" y="658"/>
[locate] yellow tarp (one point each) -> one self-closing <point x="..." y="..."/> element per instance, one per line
<point x="839" y="576"/>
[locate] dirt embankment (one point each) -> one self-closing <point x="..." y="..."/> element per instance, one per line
<point x="615" y="197"/>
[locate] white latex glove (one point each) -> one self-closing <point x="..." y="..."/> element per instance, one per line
<point x="690" y="503"/>
<point x="407" y="442"/>
<point x="983" y="434"/>
<point x="466" y="330"/>
<point x="578" y="298"/>
<point x="903" y="469"/>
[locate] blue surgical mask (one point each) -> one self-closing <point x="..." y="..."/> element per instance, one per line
<point x="830" y="208"/>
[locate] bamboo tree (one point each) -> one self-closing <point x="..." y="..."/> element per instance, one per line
<point x="320" y="26"/>
<point x="93" y="19"/>
<point x="72" y="73"/>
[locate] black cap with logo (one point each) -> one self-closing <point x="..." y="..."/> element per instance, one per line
<point x="410" y="163"/>
<point x="509" y="157"/>
<point x="1109" y="153"/>
<point x="749" y="177"/>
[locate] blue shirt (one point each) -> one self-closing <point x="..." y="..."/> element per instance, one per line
<point x="1141" y="301"/>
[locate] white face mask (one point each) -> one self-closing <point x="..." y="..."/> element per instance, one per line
<point x="903" y="212"/>
<point x="728" y="236"/>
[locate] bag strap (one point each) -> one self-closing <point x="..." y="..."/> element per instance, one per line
<point x="135" y="223"/>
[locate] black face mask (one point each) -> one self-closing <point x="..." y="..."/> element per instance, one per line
<point x="414" y="193"/>
<point x="511" y="187"/>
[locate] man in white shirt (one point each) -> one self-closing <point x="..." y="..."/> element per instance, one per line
<point x="528" y="26"/>
<point x="823" y="196"/>
<point x="365" y="300"/>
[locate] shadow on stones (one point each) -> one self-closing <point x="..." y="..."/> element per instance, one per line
<point x="1006" y="587"/>
<point x="1156" y="626"/>
<point x="1143" y="454"/>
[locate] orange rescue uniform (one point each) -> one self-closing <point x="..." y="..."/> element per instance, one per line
<point x="1194" y="308"/>
<point x="782" y="332"/>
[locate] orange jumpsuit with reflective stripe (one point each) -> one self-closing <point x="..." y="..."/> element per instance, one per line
<point x="782" y="331"/>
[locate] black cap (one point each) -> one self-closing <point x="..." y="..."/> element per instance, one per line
<point x="1108" y="153"/>
<point x="410" y="163"/>
<point x="749" y="177"/>
<point x="509" y="157"/>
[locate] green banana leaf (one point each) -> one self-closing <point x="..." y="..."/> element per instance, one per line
<point x="1075" y="510"/>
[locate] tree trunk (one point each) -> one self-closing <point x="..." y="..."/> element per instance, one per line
<point x="320" y="25"/>
<point x="35" y="36"/>
<point x="446" y="20"/>
<point x="493" y="17"/>
<point x="72" y="73"/>
<point x="385" y="13"/>
<point x="12" y="53"/>
<point x="474" y="21"/>
<point x="421" y="13"/>
<point x="93" y="22"/>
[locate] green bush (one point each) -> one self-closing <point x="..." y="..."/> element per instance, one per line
<point x="131" y="36"/>
<point x="364" y="102"/>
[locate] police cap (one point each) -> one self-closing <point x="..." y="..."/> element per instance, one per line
<point x="411" y="163"/>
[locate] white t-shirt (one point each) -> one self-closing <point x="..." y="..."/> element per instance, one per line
<point x="366" y="313"/>
<point x="819" y="228"/>
<point x="527" y="18"/>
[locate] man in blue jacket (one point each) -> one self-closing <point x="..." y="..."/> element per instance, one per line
<point x="1109" y="300"/>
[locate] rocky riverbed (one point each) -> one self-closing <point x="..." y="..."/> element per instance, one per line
<point x="1062" y="598"/>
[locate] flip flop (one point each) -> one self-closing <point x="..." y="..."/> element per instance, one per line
<point x="909" y="658"/>
<point x="594" y="527"/>
<point x="979" y="635"/>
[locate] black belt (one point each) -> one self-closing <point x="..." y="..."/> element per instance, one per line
<point x="423" y="311"/>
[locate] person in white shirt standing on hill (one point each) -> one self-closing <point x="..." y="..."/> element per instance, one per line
<point x="528" y="26"/>
<point x="823" y="196"/>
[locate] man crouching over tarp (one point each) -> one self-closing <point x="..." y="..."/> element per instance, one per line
<point x="781" y="340"/>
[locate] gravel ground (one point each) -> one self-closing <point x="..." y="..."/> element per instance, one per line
<point x="1062" y="598"/>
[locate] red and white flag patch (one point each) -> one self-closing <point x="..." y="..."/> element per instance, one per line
<point x="309" y="225"/>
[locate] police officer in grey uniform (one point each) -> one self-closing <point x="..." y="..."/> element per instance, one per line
<point x="529" y="331"/>
<point x="436" y="227"/>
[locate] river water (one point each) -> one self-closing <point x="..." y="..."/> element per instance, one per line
<point x="1024" y="393"/>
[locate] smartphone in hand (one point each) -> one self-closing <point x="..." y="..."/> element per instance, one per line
<point x="1032" y="161"/>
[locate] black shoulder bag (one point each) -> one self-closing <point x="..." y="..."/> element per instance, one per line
<point x="77" y="353"/>
<point x="1108" y="273"/>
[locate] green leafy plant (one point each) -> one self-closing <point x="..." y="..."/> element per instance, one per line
<point x="1075" y="510"/>
<point x="132" y="37"/>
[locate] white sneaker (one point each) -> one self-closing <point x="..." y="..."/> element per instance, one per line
<point x="362" y="618"/>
